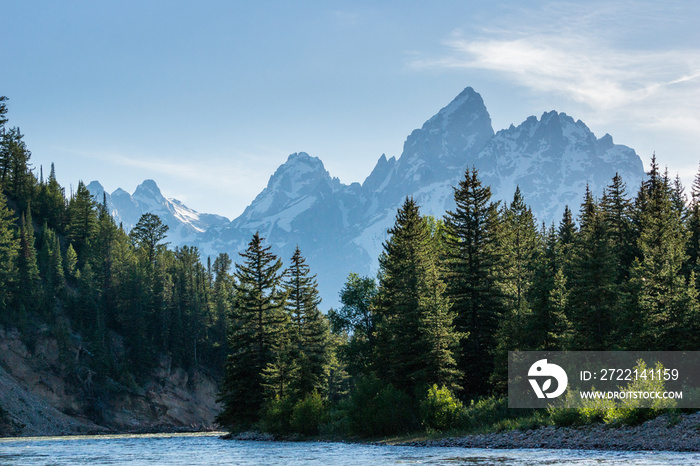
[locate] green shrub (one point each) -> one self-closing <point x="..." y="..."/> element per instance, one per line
<point x="632" y="411"/>
<point x="276" y="415"/>
<point x="482" y="414"/>
<point x="590" y="411"/>
<point x="379" y="410"/>
<point x="337" y="422"/>
<point x="536" y="419"/>
<point x="308" y="414"/>
<point x="628" y="411"/>
<point x="440" y="410"/>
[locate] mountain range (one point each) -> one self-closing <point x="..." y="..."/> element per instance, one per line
<point x="340" y="228"/>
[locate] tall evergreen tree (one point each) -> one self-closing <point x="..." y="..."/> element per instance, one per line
<point x="51" y="202"/>
<point x="191" y="302"/>
<point x="416" y="329"/>
<point x="16" y="176"/>
<point x="70" y="263"/>
<point x="222" y="305"/>
<point x="3" y="112"/>
<point x="82" y="221"/>
<point x="473" y="260"/>
<point x="519" y="243"/>
<point x="594" y="298"/>
<point x="665" y="299"/>
<point x="257" y="327"/>
<point x="547" y="328"/>
<point x="309" y="328"/>
<point x="616" y="208"/>
<point x="148" y="234"/>
<point x="9" y="250"/>
<point x="27" y="265"/>
<point x="693" y="224"/>
<point x="519" y="246"/>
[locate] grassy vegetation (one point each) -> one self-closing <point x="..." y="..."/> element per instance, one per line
<point x="380" y="413"/>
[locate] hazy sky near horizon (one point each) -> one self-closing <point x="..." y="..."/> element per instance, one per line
<point x="209" y="98"/>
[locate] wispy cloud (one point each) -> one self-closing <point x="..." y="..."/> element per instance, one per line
<point x="630" y="67"/>
<point x="580" y="68"/>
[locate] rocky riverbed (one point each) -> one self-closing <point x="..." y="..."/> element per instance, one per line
<point x="665" y="433"/>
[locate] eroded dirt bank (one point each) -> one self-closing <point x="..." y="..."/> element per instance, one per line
<point x="44" y="391"/>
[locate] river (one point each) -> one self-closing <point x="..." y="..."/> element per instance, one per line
<point x="208" y="449"/>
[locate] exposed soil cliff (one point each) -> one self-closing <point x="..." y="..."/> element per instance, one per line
<point x="45" y="390"/>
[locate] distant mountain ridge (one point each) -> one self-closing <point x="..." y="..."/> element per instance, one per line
<point x="340" y="228"/>
<point x="185" y="224"/>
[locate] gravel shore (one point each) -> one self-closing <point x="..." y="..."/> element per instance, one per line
<point x="665" y="433"/>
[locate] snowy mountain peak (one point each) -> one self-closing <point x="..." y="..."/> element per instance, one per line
<point x="96" y="189"/>
<point x="467" y="102"/>
<point x="298" y="173"/>
<point x="341" y="228"/>
<point x="552" y="160"/>
<point x="127" y="209"/>
<point x="299" y="177"/>
<point x="149" y="190"/>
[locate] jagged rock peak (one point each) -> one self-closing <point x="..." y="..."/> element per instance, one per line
<point x="468" y="101"/>
<point x="379" y="173"/>
<point x="148" y="188"/>
<point x="299" y="166"/>
<point x="96" y="189"/>
<point x="456" y="131"/>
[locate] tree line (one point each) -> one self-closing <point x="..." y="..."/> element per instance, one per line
<point x="452" y="296"/>
<point x="124" y="299"/>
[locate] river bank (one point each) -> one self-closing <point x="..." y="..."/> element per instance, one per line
<point x="43" y="394"/>
<point x="668" y="432"/>
<point x="679" y="432"/>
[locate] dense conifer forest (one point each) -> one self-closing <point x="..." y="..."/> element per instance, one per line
<point x="453" y="295"/>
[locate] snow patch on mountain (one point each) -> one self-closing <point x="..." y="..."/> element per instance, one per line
<point x="184" y="223"/>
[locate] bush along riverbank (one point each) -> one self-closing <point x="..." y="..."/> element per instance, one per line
<point x="380" y="414"/>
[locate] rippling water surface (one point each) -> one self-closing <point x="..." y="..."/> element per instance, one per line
<point x="208" y="449"/>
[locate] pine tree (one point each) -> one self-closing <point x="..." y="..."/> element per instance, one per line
<point x="50" y="264"/>
<point x="9" y="251"/>
<point x="666" y="300"/>
<point x="692" y="264"/>
<point x="519" y="245"/>
<point x="91" y="316"/>
<point x="70" y="263"/>
<point x="472" y="233"/>
<point x="616" y="208"/>
<point x="16" y="178"/>
<point x="27" y="265"/>
<point x="309" y="330"/>
<point x="222" y="304"/>
<point x="82" y="221"/>
<point x="3" y="112"/>
<point x="594" y="298"/>
<point x="190" y="298"/>
<point x="148" y="234"/>
<point x="548" y="328"/>
<point x="257" y="328"/>
<point x="51" y="202"/>
<point x="57" y="265"/>
<point x="416" y="332"/>
<point x="679" y="201"/>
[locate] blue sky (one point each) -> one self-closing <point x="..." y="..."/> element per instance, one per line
<point x="208" y="98"/>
